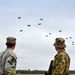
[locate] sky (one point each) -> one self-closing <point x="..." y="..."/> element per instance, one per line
<point x="34" y="47"/>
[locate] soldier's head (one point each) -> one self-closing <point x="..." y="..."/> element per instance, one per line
<point x="11" y="42"/>
<point x="59" y="43"/>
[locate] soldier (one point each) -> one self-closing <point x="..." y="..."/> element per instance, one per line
<point x="61" y="61"/>
<point x="9" y="58"/>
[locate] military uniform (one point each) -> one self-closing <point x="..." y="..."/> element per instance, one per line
<point x="9" y="59"/>
<point x="61" y="61"/>
<point x="1" y="55"/>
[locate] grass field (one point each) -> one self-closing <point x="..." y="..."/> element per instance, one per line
<point x="37" y="74"/>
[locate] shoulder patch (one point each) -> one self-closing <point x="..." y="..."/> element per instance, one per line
<point x="14" y="56"/>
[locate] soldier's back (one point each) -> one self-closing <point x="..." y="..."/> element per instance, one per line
<point x="8" y="54"/>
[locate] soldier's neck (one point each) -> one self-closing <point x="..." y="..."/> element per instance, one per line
<point x="12" y="48"/>
<point x="60" y="50"/>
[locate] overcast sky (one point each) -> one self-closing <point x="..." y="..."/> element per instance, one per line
<point x="34" y="50"/>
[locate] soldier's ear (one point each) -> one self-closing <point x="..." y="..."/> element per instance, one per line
<point x="15" y="44"/>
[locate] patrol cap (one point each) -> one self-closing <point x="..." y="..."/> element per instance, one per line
<point x="11" y="39"/>
<point x="60" y="42"/>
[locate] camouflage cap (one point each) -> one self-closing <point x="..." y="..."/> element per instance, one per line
<point x="59" y="42"/>
<point x="11" y="39"/>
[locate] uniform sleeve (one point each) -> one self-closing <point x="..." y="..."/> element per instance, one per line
<point x="10" y="63"/>
<point x="59" y="65"/>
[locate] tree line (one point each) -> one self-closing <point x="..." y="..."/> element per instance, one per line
<point x="37" y="71"/>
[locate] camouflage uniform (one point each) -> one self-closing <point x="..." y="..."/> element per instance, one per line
<point x="61" y="62"/>
<point x="1" y="55"/>
<point x="9" y="59"/>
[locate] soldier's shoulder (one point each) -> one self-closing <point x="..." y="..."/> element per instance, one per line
<point x="1" y="53"/>
<point x="8" y="53"/>
<point x="14" y="56"/>
<point x="11" y="53"/>
<point x="62" y="54"/>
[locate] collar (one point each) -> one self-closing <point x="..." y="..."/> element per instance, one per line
<point x="8" y="49"/>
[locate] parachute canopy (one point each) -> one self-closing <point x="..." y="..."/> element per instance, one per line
<point x="19" y="17"/>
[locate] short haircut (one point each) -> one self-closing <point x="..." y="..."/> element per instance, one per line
<point x="9" y="45"/>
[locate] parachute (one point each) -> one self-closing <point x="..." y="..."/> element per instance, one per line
<point x="46" y="35"/>
<point x="41" y="19"/>
<point x="21" y="30"/>
<point x="50" y="33"/>
<point x="19" y="17"/>
<point x="60" y="30"/>
<point x="29" y="25"/>
<point x="39" y="23"/>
